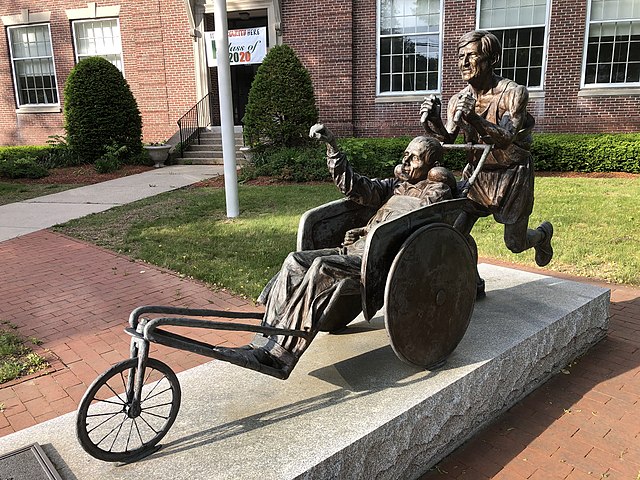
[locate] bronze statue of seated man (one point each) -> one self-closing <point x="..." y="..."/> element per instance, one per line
<point x="309" y="282"/>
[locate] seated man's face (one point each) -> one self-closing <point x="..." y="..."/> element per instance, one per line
<point x="415" y="163"/>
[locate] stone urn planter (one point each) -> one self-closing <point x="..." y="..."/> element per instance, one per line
<point x="158" y="153"/>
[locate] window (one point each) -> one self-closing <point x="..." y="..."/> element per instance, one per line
<point x="409" y="46"/>
<point x="520" y="27"/>
<point x="34" y="72"/>
<point x="98" y="38"/>
<point x="613" y="43"/>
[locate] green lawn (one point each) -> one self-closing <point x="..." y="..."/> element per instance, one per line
<point x="18" y="192"/>
<point x="597" y="226"/>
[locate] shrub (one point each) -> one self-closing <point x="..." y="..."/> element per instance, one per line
<point x="376" y="157"/>
<point x="281" y="105"/>
<point x="112" y="159"/>
<point x="24" y="167"/>
<point x="100" y="109"/>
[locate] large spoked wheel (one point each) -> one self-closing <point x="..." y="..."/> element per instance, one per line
<point x="429" y="296"/>
<point x="113" y="426"/>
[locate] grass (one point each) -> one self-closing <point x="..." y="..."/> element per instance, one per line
<point x="18" y="192"/>
<point x="596" y="223"/>
<point x="16" y="359"/>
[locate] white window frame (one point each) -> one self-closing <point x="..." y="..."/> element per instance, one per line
<point x="596" y="85"/>
<point x="101" y="19"/>
<point x="545" y="47"/>
<point x="410" y="95"/>
<point x="26" y="106"/>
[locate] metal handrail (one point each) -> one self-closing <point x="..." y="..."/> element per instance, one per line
<point x="191" y="123"/>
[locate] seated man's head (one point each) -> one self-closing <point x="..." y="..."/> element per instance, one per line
<point x="419" y="157"/>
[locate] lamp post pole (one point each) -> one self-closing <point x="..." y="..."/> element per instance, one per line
<point x="226" y="109"/>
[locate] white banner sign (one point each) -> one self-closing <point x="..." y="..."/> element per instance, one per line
<point x="246" y="46"/>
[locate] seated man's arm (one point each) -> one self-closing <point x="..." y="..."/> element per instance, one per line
<point x="360" y="189"/>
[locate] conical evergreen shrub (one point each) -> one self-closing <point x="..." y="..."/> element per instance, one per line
<point x="282" y="105"/>
<point x="100" y="111"/>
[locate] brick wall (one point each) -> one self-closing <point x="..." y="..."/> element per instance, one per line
<point x="158" y="64"/>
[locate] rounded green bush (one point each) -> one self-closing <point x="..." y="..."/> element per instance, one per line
<point x="281" y="105"/>
<point x="100" y="110"/>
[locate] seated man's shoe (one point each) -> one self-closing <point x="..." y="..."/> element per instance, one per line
<point x="544" y="251"/>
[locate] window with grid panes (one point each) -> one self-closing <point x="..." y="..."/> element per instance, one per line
<point x="520" y="27"/>
<point x="34" y="72"/>
<point x="613" y="43"/>
<point x="99" y="37"/>
<point x="409" y="46"/>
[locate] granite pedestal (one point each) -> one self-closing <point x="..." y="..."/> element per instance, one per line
<point x="351" y="409"/>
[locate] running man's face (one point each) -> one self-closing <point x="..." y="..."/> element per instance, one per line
<point x="473" y="63"/>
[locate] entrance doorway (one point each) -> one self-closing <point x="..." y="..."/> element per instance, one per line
<point x="241" y="75"/>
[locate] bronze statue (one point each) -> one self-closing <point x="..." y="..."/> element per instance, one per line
<point x="300" y="295"/>
<point x="493" y="110"/>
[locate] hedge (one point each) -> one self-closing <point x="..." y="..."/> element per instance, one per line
<point x="376" y="157"/>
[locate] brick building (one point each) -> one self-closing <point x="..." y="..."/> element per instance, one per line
<point x="371" y="61"/>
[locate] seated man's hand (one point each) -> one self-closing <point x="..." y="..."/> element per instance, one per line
<point x="322" y="133"/>
<point x="353" y="235"/>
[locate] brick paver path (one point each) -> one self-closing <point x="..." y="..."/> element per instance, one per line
<point x="75" y="297"/>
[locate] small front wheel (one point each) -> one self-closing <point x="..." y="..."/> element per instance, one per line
<point x="112" y="426"/>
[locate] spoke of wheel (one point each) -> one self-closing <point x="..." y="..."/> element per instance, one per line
<point x="149" y="425"/>
<point x="103" y="414"/>
<point x="116" y="437"/>
<point x="157" y="405"/>
<point x="138" y="430"/>
<point x="159" y="393"/>
<point x="126" y="448"/>
<point x="116" y="394"/>
<point x="124" y="386"/>
<point x="109" y="433"/>
<point x="96" y="400"/>
<point x="151" y="391"/>
<point x="103" y="422"/>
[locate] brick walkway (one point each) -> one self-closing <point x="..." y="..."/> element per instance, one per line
<point x="76" y="298"/>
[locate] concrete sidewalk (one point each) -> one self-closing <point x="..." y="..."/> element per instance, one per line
<point x="43" y="212"/>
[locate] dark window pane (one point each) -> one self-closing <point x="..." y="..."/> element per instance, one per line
<point x="521" y="75"/>
<point x="409" y="45"/>
<point x="606" y="52"/>
<point x="522" y="58"/>
<point x="409" y="63"/>
<point x="537" y="36"/>
<point x="432" y="81"/>
<point x="385" y="46"/>
<point x="385" y="64"/>
<point x="421" y="63"/>
<point x="590" y="74"/>
<point x="385" y="83"/>
<point x="619" y="72"/>
<point x="634" y="52"/>
<point x="421" y="81"/>
<point x="509" y="39"/>
<point x="396" y="83"/>
<point x="408" y="82"/>
<point x="592" y="53"/>
<point x="633" y="72"/>
<point x="524" y="37"/>
<point x="509" y="73"/>
<point x="433" y="64"/>
<point x="604" y="73"/>
<point x="536" y="57"/>
<point x="508" y="58"/>
<point x="535" y="77"/>
<point x="396" y="45"/>
<point x="396" y="63"/>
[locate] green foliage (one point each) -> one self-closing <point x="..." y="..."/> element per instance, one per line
<point x="587" y="153"/>
<point x="59" y="153"/>
<point x="297" y="164"/>
<point x="16" y="359"/>
<point x="112" y="159"/>
<point x="23" y="167"/>
<point x="281" y="105"/>
<point x="39" y="152"/>
<point x="99" y="109"/>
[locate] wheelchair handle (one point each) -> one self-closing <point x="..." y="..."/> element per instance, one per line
<point x="486" y="148"/>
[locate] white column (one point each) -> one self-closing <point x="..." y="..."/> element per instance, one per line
<point x="226" y="109"/>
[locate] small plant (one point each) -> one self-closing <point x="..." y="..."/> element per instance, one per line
<point x="112" y="159"/>
<point x="60" y="155"/>
<point x="16" y="359"/>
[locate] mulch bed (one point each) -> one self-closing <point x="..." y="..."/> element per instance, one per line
<point x="80" y="175"/>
